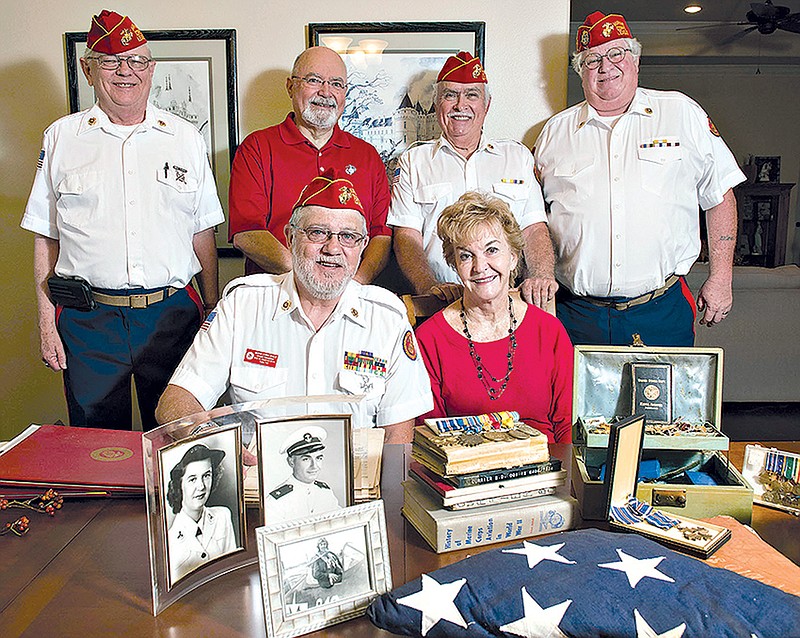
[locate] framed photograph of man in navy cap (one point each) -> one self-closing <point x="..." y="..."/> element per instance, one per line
<point x="305" y="466"/>
<point x="202" y="500"/>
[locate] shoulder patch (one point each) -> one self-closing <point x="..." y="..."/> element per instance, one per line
<point x="409" y="345"/>
<point x="283" y="490"/>
<point x="324" y="486"/>
<point x="713" y="128"/>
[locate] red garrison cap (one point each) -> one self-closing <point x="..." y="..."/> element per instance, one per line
<point x="463" y="68"/>
<point x="327" y="192"/>
<point x="112" y="33"/>
<point x="599" y="28"/>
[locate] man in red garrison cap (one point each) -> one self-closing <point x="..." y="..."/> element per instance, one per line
<point x="432" y="175"/>
<point x="624" y="174"/>
<point x="123" y="207"/>
<point x="311" y="331"/>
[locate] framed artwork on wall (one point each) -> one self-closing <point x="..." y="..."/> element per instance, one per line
<point x="391" y="70"/>
<point x="768" y="170"/>
<point x="194" y="78"/>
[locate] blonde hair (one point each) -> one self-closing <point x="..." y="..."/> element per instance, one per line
<point x="460" y="222"/>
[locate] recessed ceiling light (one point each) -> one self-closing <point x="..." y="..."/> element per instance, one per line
<point x="692" y="8"/>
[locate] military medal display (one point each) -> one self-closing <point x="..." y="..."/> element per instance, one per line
<point x="775" y="477"/>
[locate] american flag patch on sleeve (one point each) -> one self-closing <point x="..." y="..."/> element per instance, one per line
<point x="396" y="176"/>
<point x="209" y="320"/>
<point x="40" y="161"/>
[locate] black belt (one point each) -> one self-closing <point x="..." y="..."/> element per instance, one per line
<point x="635" y="301"/>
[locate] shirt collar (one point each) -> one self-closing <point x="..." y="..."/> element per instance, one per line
<point x="96" y="119"/>
<point x="291" y="135"/>
<point x="640" y="105"/>
<point x="350" y="305"/>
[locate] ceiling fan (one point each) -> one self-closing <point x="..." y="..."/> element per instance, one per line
<point x="764" y="17"/>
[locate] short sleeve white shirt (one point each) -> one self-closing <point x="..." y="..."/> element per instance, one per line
<point x="624" y="201"/>
<point x="432" y="175"/>
<point x="259" y="344"/>
<point x="124" y="202"/>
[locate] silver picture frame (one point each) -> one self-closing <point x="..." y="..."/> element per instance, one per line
<point x="322" y="570"/>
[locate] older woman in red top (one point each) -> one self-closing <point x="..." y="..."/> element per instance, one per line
<point x="490" y="350"/>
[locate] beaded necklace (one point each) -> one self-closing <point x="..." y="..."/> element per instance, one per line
<point x="494" y="393"/>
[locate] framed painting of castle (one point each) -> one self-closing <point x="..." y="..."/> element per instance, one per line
<point x="391" y="71"/>
<point x="194" y="78"/>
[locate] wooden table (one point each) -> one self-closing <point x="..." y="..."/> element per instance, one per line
<point x="86" y="572"/>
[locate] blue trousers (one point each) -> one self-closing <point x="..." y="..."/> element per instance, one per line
<point x="667" y="320"/>
<point x="107" y="346"/>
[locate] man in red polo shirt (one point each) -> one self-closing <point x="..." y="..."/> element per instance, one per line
<point x="273" y="165"/>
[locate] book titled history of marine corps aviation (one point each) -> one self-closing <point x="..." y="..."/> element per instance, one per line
<point x="450" y="530"/>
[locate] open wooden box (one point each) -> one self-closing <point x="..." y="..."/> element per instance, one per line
<point x="677" y="532"/>
<point x="603" y="386"/>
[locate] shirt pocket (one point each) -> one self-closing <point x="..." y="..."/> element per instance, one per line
<point x="249" y="383"/>
<point x="177" y="191"/>
<point x="515" y="194"/>
<point x="79" y="198"/>
<point x="572" y="179"/>
<point x="370" y="385"/>
<point x="659" y="164"/>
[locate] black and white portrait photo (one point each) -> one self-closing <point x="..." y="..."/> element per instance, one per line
<point x="305" y="467"/>
<point x="203" y="492"/>
<point x="324" y="569"/>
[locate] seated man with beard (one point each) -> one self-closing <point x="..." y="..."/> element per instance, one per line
<point x="311" y="331"/>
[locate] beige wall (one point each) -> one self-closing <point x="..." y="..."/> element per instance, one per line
<point x="526" y="49"/>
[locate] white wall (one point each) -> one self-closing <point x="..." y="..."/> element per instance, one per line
<point x="526" y="60"/>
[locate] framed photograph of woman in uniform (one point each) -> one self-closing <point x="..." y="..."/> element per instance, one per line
<point x="305" y="466"/>
<point x="322" y="570"/>
<point x="202" y="495"/>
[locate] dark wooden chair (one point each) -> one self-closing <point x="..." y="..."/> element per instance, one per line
<point x="420" y="307"/>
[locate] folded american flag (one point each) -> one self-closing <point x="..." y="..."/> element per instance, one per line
<point x="586" y="583"/>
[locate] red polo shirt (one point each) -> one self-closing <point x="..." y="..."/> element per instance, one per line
<point x="273" y="165"/>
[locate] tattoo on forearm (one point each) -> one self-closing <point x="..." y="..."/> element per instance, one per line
<point x="726" y="238"/>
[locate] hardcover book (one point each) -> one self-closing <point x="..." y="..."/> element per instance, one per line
<point x="652" y="391"/>
<point x="503" y="474"/>
<point x="446" y="530"/>
<point x="469" y="453"/>
<point x="78" y="458"/>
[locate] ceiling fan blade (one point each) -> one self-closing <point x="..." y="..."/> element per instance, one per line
<point x="716" y="25"/>
<point x="767" y="10"/>
<point x="737" y="36"/>
<point x="790" y="23"/>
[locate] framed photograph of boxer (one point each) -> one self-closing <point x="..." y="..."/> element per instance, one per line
<point x="322" y="570"/>
<point x="305" y="466"/>
<point x="391" y="70"/>
<point x="194" y="78"/>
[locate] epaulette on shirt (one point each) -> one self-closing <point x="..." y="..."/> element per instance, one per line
<point x="324" y="486"/>
<point x="383" y="297"/>
<point x="259" y="279"/>
<point x="283" y="490"/>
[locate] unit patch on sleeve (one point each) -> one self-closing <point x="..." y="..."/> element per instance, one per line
<point x="209" y="320"/>
<point x="410" y="346"/>
<point x="712" y="128"/>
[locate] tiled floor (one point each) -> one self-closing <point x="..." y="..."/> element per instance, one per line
<point x="761" y="421"/>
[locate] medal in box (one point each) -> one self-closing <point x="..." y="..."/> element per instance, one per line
<point x="685" y="468"/>
<point x="626" y="512"/>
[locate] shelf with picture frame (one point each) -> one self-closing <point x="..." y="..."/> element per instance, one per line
<point x="763" y="209"/>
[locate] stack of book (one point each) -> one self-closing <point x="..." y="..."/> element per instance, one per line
<point x="485" y="479"/>
<point x="367" y="458"/>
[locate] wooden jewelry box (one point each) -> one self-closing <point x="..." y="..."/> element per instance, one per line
<point x="690" y="473"/>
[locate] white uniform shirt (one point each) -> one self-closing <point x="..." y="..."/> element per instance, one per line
<point x="124" y="209"/>
<point x="623" y="202"/>
<point x="189" y="549"/>
<point x="259" y="342"/>
<point x="432" y="175"/>
<point x="294" y="499"/>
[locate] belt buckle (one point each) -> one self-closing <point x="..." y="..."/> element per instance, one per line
<point x="138" y="301"/>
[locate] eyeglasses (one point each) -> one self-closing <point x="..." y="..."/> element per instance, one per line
<point x="113" y="62"/>
<point x="615" y="55"/>
<point x="317" y="235"/>
<point x="313" y="82"/>
<point x="471" y="95"/>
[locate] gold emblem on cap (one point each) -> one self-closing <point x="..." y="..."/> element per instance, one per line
<point x="608" y="27"/>
<point x="477" y="70"/>
<point x="354" y="312"/>
<point x="346" y="194"/>
<point x="125" y="37"/>
<point x="648" y="110"/>
<point x="92" y="121"/>
<point x="286" y="305"/>
<point x="162" y="123"/>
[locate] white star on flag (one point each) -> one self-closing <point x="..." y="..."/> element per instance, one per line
<point x="636" y="569"/>
<point x="536" y="621"/>
<point x="537" y="553"/>
<point x="435" y="601"/>
<point x="643" y="630"/>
